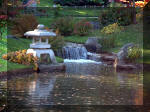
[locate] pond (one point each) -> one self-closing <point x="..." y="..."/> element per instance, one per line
<point x="82" y="84"/>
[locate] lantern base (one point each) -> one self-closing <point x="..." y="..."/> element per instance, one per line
<point x="39" y="52"/>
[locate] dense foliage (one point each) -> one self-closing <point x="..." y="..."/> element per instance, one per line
<point x="23" y="24"/>
<point x="78" y="2"/>
<point x="134" y="53"/>
<point x="65" y="25"/>
<point x="107" y="42"/>
<point x="82" y="28"/>
<point x="3" y="24"/>
<point x="57" y="42"/>
<point x="122" y="16"/>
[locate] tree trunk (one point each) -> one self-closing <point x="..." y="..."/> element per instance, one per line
<point x="134" y="13"/>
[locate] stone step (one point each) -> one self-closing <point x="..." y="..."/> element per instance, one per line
<point x="126" y="66"/>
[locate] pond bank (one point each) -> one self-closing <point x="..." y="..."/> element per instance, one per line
<point x="43" y="68"/>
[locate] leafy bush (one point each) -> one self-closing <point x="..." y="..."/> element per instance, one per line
<point x="107" y="17"/>
<point x="134" y="53"/>
<point x="120" y="15"/>
<point x="65" y="25"/>
<point x="124" y="16"/>
<point x="107" y="42"/>
<point x="82" y="28"/>
<point x="78" y="2"/>
<point x="23" y="24"/>
<point x="57" y="42"/>
<point x="21" y="57"/>
<point x="59" y="60"/>
<point x="139" y="17"/>
<point x="112" y="28"/>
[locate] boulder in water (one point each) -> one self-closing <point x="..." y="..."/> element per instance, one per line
<point x="92" y="45"/>
<point x="123" y="53"/>
<point x="94" y="56"/>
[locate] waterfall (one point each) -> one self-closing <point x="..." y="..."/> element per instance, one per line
<point x="73" y="51"/>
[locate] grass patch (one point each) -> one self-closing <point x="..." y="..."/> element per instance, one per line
<point x="46" y="21"/>
<point x="73" y="12"/>
<point x="46" y="3"/>
<point x="17" y="44"/>
<point x="146" y="56"/>
<point x="76" y="39"/>
<point x="76" y="12"/>
<point x="59" y="60"/>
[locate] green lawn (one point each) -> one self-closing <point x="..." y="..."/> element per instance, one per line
<point x="46" y="3"/>
<point x="80" y="12"/>
<point x="75" y="12"/>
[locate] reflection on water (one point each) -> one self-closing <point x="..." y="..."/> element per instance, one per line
<point x="97" y="85"/>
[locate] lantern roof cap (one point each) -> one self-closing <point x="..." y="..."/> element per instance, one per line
<point x="40" y="32"/>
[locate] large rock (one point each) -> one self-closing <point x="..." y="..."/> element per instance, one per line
<point x="123" y="53"/>
<point x="92" y="45"/>
<point x="96" y="25"/>
<point x="94" y="56"/>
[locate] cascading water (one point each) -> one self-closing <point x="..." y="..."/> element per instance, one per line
<point x="73" y="51"/>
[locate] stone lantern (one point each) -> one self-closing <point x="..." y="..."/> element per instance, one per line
<point x="40" y="46"/>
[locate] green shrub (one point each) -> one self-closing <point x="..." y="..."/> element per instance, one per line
<point x="3" y="25"/>
<point x="107" y="17"/>
<point x="23" y="24"/>
<point x="124" y="16"/>
<point x="134" y="53"/>
<point x="57" y="42"/>
<point x="65" y="25"/>
<point x="82" y="28"/>
<point x="112" y="28"/>
<point x="107" y="42"/>
<point x="59" y="60"/>
<point x="139" y="17"/>
<point x="120" y="15"/>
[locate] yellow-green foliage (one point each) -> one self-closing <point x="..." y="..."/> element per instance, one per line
<point x="21" y="57"/>
<point x="112" y="28"/>
<point x="134" y="53"/>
